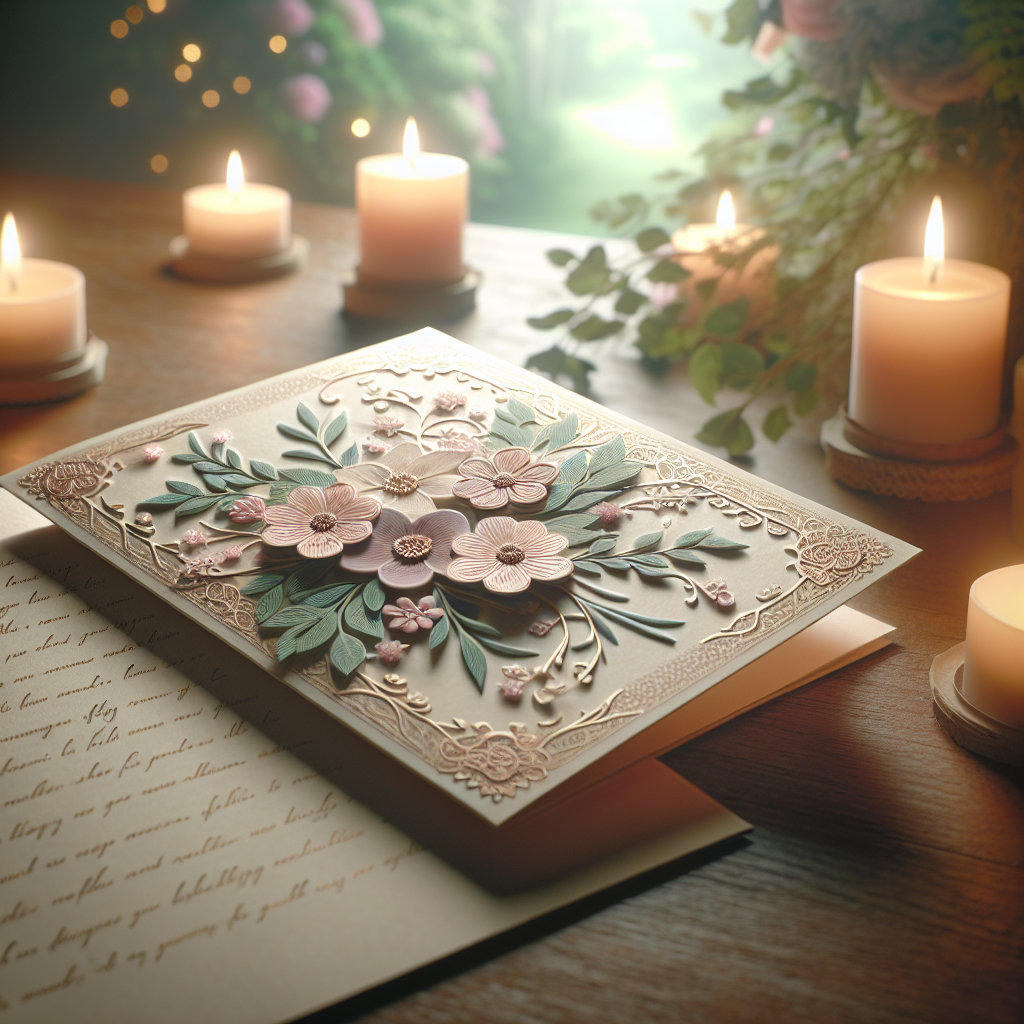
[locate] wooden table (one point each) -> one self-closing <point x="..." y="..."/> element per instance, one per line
<point x="883" y="882"/>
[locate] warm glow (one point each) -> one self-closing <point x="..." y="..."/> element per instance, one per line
<point x="241" y="85"/>
<point x="934" y="242"/>
<point x="119" y="28"/>
<point x="156" y="6"/>
<point x="411" y="142"/>
<point x="182" y="72"/>
<point x="360" y="127"/>
<point x="159" y="163"/>
<point x="134" y="14"/>
<point x="211" y="98"/>
<point x="278" y="44"/>
<point x="236" y="176"/>
<point x="10" y="254"/>
<point x="191" y="53"/>
<point x="726" y="216"/>
<point x="119" y="97"/>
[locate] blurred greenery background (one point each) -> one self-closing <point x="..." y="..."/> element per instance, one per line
<point x="557" y="103"/>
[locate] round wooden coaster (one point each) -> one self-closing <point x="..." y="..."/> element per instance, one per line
<point x="226" y="270"/>
<point x="84" y="373"/>
<point x="962" y="722"/>
<point x="907" y="478"/>
<point x="374" y="299"/>
<point x="960" y="451"/>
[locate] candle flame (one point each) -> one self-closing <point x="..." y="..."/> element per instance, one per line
<point x="236" y="176"/>
<point x="411" y="142"/>
<point x="934" y="242"/>
<point x="726" y="216"/>
<point x="10" y="254"/>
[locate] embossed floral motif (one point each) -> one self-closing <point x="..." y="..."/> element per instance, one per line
<point x="406" y="617"/>
<point x="516" y="678"/>
<point x="608" y="513"/>
<point x="151" y="453"/>
<point x="72" y="478"/>
<point x="507" y="476"/>
<point x="319" y="522"/>
<point x="390" y="651"/>
<point x="249" y="509"/>
<point x="222" y="437"/>
<point x="718" y="590"/>
<point x="477" y="413"/>
<point x="375" y="446"/>
<point x="541" y="627"/>
<point x="506" y="555"/>
<point x="830" y="556"/>
<point x="449" y="401"/>
<point x="456" y="441"/>
<point x="193" y="539"/>
<point x="406" y="478"/>
<point x="497" y="763"/>
<point x="388" y="425"/>
<point x="404" y="553"/>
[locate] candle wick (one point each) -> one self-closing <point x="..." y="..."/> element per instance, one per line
<point x="934" y="275"/>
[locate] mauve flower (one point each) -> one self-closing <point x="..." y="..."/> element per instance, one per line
<point x="291" y="17"/>
<point x="363" y="21"/>
<point x="449" y="401"/>
<point x="152" y="453"/>
<point x="306" y="97"/>
<point x="319" y="522"/>
<point x="812" y="19"/>
<point x="506" y="555"/>
<point x="609" y="513"/>
<point x="222" y="437"/>
<point x="516" y="678"/>
<point x="718" y="590"/>
<point x="406" y="554"/>
<point x="249" y="509"/>
<point x="193" y="539"/>
<point x="387" y="425"/>
<point x="508" y="475"/>
<point x="406" y="478"/>
<point x="390" y="651"/>
<point x="232" y="554"/>
<point x="409" y="617"/>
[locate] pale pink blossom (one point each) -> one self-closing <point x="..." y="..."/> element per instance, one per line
<point x="477" y="413"/>
<point x="196" y="566"/>
<point x="319" y="522"/>
<point x="375" y="446"/>
<point x="764" y="125"/>
<point x="232" y="554"/>
<point x="363" y="21"/>
<point x="290" y="17"/>
<point x="222" y="437"/>
<point x="609" y="513"/>
<point x="390" y="651"/>
<point x="449" y="401"/>
<point x="516" y="678"/>
<point x="718" y="590"/>
<point x="152" y="453"/>
<point x="249" y="509"/>
<point x="193" y="539"/>
<point x="453" y="440"/>
<point x="408" y="617"/>
<point x="306" y="97"/>
<point x="507" y="476"/>
<point x="387" y="425"/>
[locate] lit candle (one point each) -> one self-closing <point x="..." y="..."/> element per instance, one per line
<point x="237" y="220"/>
<point x="993" y="679"/>
<point x="42" y="308"/>
<point x="412" y="207"/>
<point x="698" y="244"/>
<point x="929" y="337"/>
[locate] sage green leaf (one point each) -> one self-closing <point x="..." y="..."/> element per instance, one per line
<point x="439" y="631"/>
<point x="357" y="618"/>
<point x="607" y="454"/>
<point x="293" y="615"/>
<point x="740" y="438"/>
<point x="647" y="620"/>
<point x="285" y="646"/>
<point x="728" y="319"/>
<point x="520" y="412"/>
<point x="594" y="328"/>
<point x="373" y="596"/>
<point x="163" y="499"/>
<point x="612" y="476"/>
<point x="180" y="487"/>
<point x="706" y="371"/>
<point x="269" y="603"/>
<point x="560" y="257"/>
<point x="629" y="301"/>
<point x="297" y="433"/>
<point x="603" y="546"/>
<point x="647" y="540"/>
<point x="557" y="497"/>
<point x="652" y="558"/>
<point x="612" y="595"/>
<point x="637" y="625"/>
<point x="667" y="272"/>
<point x="187" y="457"/>
<point x="263" y="470"/>
<point x="309" y="477"/>
<point x="806" y="402"/>
<point x="336" y="428"/>
<point x="739" y="360"/>
<point x="651" y="571"/>
<point x="328" y="595"/>
<point x="209" y="467"/>
<point x="551" y="321"/>
<point x="502" y="430"/>
<point x="591" y="274"/>
<point x="801" y="377"/>
<point x="685" y="558"/>
<point x="214" y="483"/>
<point x="716" y="430"/>
<point x="262" y="583"/>
<point x="720" y="544"/>
<point x="500" y="648"/>
<point x="688" y="540"/>
<point x="556" y="362"/>
<point x="474" y="659"/>
<point x="347" y="654"/>
<point x="307" y="418"/>
<point x="320" y="633"/>
<point x="279" y="491"/>
<point x="194" y="505"/>
<point x="585" y="565"/>
<point x="573" y="469"/>
<point x="588" y="499"/>
<point x="555" y="435"/>
<point x="310" y="453"/>
<point x="196" y="445"/>
<point x="304" y="578"/>
<point x="776" y="423"/>
<point x="602" y="627"/>
<point x="237" y="480"/>
<point x="350" y="456"/>
<point x="234" y="459"/>
<point x="614" y="562"/>
<point x="650" y="238"/>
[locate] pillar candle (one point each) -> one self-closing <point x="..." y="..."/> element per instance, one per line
<point x="237" y="220"/>
<point x="1017" y="482"/>
<point x="412" y="208"/>
<point x="42" y="309"/>
<point x="929" y="337"/>
<point x="993" y="679"/>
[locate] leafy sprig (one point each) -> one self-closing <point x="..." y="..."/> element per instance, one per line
<point x="321" y="434"/>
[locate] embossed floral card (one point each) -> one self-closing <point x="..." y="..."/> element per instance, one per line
<point x="491" y="578"/>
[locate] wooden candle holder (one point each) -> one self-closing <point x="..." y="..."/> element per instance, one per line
<point x="235" y="270"/>
<point x="927" y="472"/>
<point x="52" y="384"/>
<point x="406" y="302"/>
<point x="962" y="722"/>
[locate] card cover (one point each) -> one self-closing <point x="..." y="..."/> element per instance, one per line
<point x="492" y="579"/>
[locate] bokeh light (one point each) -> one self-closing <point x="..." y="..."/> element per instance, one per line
<point x="159" y="163"/>
<point x="134" y="14"/>
<point x="360" y="127"/>
<point x="241" y="85"/>
<point x="119" y="28"/>
<point x="211" y="98"/>
<point x="191" y="53"/>
<point x="119" y="97"/>
<point x="182" y="72"/>
<point x="278" y="44"/>
<point x="156" y="6"/>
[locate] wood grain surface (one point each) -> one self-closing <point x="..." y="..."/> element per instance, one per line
<point x="883" y="882"/>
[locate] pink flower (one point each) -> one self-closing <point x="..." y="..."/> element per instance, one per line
<point x="249" y="509"/>
<point x="477" y="413"/>
<point x="490" y="140"/>
<point x="152" y="453"/>
<point x="222" y="437"/>
<point x="764" y="125"/>
<point x="453" y="440"/>
<point x="291" y="17"/>
<point x="718" y="590"/>
<point x="406" y="554"/>
<point x="306" y="97"/>
<point x="449" y="401"/>
<point x="541" y="627"/>
<point x="196" y="566"/>
<point x="193" y="539"/>
<point x="390" y="651"/>
<point x="508" y="475"/>
<point x="375" y="446"/>
<point x="232" y="554"/>
<point x="609" y="513"/>
<point x="409" y="617"/>
<point x="661" y="293"/>
<point x="387" y="425"/>
<point x="363" y="21"/>
<point x="507" y="555"/>
<point x="516" y="678"/>
<point x="319" y="522"/>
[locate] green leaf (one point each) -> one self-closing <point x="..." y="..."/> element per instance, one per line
<point x="347" y="654"/>
<point x="612" y="562"/>
<point x="688" y="540"/>
<point x="269" y="603"/>
<point x="551" y="321"/>
<point x="196" y="445"/>
<point x="502" y="430"/>
<point x="604" y="545"/>
<point x="350" y="456"/>
<point x="613" y="476"/>
<point x="439" y="631"/>
<point x="373" y="596"/>
<point x="778" y="344"/>
<point x="279" y="491"/>
<point x="573" y="469"/>
<point x="667" y="272"/>
<point x="801" y="377"/>
<point x="776" y="423"/>
<point x="594" y="328"/>
<point x="739" y="438"/>
<point x="500" y="648"/>
<point x="163" y="499"/>
<point x="591" y="274"/>
<point x="740" y="360"/>
<point x="651" y="571"/>
<point x="585" y="565"/>
<point x="648" y="620"/>
<point x="320" y="633"/>
<point x="336" y="428"/>
<point x="305" y="577"/>
<point x="214" y="483"/>
<point x="743" y="20"/>
<point x="685" y="558"/>
<point x="635" y="624"/>
<point x="234" y="459"/>
<point x="577" y="527"/>
<point x="329" y="595"/>
<point x="629" y="301"/>
<point x="180" y="487"/>
<point x="293" y="615"/>
<point x="558" y="495"/>
<point x="187" y="457"/>
<point x="237" y="480"/>
<point x="474" y="658"/>
<point x="647" y="540"/>
<point x="560" y="257"/>
<point x="285" y="646"/>
<point x="728" y="319"/>
<point x="805" y="402"/>
<point x="720" y="544"/>
<point x="297" y="433"/>
<point x="262" y="583"/>
<point x="309" y="477"/>
<point x="607" y="454"/>
<point x="602" y="627"/>
<point x="587" y="499"/>
<point x="357" y="618"/>
<point x="209" y="467"/>
<point x="706" y="289"/>
<point x="310" y="453"/>
<point x="307" y="418"/>
<point x="194" y="505"/>
<point x="263" y="470"/>
<point x="706" y="371"/>
<point x="718" y="429"/>
<point x="611" y="595"/>
<point x="520" y="412"/>
<point x="556" y="362"/>
<point x="563" y="432"/>
<point x="650" y="238"/>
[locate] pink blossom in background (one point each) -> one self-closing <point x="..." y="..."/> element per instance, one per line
<point x="314" y="53"/>
<point x="306" y="97"/>
<point x="490" y="140"/>
<point x="843" y="154"/>
<point x="291" y="17"/>
<point x="363" y="21"/>
<point x="661" y="293"/>
<point x="764" y="125"/>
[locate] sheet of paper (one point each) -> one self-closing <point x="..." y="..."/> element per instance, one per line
<point x="164" y="858"/>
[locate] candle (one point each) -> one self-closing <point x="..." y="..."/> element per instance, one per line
<point x="698" y="244"/>
<point x="928" y="342"/>
<point x="1017" y="481"/>
<point x="993" y="680"/>
<point x="42" y="309"/>
<point x="412" y="207"/>
<point x="237" y="220"/>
